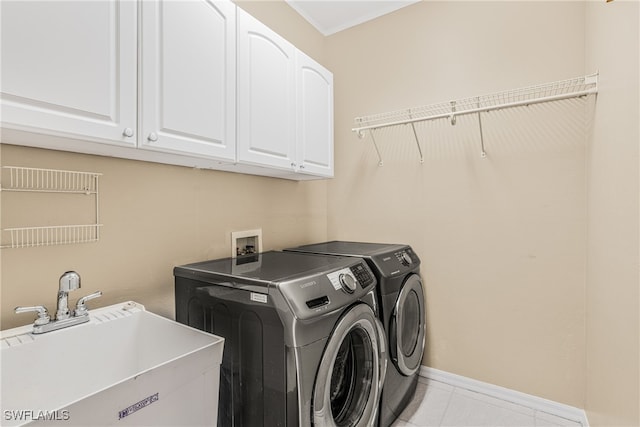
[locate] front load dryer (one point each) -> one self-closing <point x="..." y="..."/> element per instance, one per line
<point x="303" y="343"/>
<point x="402" y="311"/>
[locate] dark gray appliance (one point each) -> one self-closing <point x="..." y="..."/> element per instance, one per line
<point x="402" y="311"/>
<point x="303" y="343"/>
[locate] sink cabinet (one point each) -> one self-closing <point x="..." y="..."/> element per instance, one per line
<point x="193" y="82"/>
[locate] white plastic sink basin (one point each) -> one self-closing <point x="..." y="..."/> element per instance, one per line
<point x="126" y="366"/>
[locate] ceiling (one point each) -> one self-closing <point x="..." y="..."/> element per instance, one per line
<point x="331" y="16"/>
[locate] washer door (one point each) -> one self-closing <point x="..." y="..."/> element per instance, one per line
<point x="351" y="373"/>
<point x="407" y="327"/>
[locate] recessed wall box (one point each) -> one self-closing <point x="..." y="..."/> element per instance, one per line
<point x="246" y="242"/>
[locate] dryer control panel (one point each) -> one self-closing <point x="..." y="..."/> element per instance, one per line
<point x="404" y="258"/>
<point x="397" y="263"/>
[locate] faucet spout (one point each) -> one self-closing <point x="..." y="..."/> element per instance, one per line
<point x="69" y="281"/>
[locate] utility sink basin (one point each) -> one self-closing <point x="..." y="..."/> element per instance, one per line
<point x="125" y="366"/>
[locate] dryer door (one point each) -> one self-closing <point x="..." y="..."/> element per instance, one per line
<point x="351" y="372"/>
<point x="407" y="327"/>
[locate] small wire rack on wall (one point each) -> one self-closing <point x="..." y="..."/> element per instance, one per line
<point x="34" y="180"/>
<point x="547" y="92"/>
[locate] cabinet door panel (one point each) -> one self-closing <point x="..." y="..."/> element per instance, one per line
<point x="188" y="77"/>
<point x="70" y="68"/>
<point x="315" y="117"/>
<point x="266" y="95"/>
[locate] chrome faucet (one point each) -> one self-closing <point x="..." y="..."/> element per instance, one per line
<point x="69" y="281"/>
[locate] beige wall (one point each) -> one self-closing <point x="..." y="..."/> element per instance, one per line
<point x="156" y="216"/>
<point x="502" y="239"/>
<point x="613" y="271"/>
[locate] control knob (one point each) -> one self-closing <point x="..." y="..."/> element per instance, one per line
<point x="347" y="282"/>
<point x="406" y="259"/>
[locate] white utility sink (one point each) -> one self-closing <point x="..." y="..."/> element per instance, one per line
<point x="125" y="366"/>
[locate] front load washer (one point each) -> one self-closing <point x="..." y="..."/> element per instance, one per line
<point x="402" y="311"/>
<point x="303" y="343"/>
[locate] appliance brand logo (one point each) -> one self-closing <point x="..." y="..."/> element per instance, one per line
<point x="308" y="284"/>
<point x="386" y="259"/>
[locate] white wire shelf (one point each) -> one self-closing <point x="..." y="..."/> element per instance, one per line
<point x="26" y="237"/>
<point x="35" y="180"/>
<point x="564" y="89"/>
<point x="547" y="92"/>
<point x="49" y="180"/>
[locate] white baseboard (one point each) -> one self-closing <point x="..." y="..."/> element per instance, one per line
<point x="528" y="400"/>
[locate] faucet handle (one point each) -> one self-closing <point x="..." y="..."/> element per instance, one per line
<point x="69" y="281"/>
<point x="43" y="316"/>
<point x="81" y="308"/>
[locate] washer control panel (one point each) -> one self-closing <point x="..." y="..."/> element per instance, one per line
<point x="315" y="295"/>
<point x="363" y="274"/>
<point x="347" y="279"/>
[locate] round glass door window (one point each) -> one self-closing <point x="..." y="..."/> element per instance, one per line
<point x="407" y="328"/>
<point x="347" y="386"/>
<point x="352" y="378"/>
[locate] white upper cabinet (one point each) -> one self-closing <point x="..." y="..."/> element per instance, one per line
<point x="69" y="69"/>
<point x="266" y="95"/>
<point x="188" y="77"/>
<point x="199" y="83"/>
<point x="314" y="130"/>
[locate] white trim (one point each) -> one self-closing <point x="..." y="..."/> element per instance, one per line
<point x="513" y="396"/>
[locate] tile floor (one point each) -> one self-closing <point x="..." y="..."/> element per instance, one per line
<point x="439" y="404"/>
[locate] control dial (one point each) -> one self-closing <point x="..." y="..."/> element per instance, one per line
<point x="406" y="259"/>
<point x="347" y="282"/>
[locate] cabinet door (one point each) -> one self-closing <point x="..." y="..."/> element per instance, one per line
<point x="69" y="68"/>
<point x="314" y="130"/>
<point x="266" y="95"/>
<point x="188" y="77"/>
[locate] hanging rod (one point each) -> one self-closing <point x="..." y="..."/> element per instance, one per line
<point x="564" y="89"/>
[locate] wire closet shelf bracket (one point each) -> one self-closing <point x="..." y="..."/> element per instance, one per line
<point x="547" y="92"/>
<point x="34" y="180"/>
